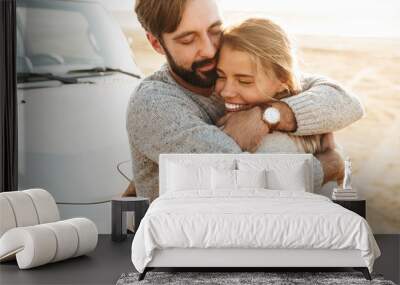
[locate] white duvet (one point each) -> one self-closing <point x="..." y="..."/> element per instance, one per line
<point x="253" y="218"/>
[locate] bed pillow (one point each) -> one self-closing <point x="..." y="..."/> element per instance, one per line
<point x="282" y="174"/>
<point x="292" y="179"/>
<point x="188" y="177"/>
<point x="223" y="179"/>
<point x="231" y="180"/>
<point x="251" y="178"/>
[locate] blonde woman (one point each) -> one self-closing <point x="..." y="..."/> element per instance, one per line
<point x="257" y="66"/>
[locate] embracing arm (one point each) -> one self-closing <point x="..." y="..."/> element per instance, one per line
<point x="161" y="123"/>
<point x="164" y="124"/>
<point x="323" y="107"/>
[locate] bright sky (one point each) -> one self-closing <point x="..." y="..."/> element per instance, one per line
<point x="377" y="18"/>
<point x="368" y="18"/>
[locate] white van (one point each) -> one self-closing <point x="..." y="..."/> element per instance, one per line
<point x="75" y="74"/>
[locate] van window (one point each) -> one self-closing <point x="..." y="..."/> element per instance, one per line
<point x="58" y="36"/>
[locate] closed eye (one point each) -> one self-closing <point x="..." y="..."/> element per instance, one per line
<point x="216" y="32"/>
<point x="186" y="42"/>
<point x="216" y="28"/>
<point x="245" y="82"/>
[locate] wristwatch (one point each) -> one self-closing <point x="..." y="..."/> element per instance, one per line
<point x="272" y="117"/>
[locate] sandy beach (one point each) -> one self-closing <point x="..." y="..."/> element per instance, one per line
<point x="369" y="68"/>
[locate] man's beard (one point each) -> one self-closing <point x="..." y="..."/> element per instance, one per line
<point x="205" y="80"/>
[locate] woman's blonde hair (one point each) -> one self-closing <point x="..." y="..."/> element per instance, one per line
<point x="270" y="47"/>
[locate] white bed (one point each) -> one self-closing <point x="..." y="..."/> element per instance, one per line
<point x="248" y="227"/>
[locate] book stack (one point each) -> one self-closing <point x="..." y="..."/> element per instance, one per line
<point x="344" y="194"/>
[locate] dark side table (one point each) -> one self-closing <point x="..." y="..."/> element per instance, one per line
<point x="119" y="206"/>
<point x="358" y="206"/>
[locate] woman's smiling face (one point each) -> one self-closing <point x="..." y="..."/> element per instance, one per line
<point x="242" y="83"/>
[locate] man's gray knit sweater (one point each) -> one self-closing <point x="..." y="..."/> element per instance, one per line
<point x="164" y="117"/>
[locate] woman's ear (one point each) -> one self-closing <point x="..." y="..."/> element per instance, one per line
<point x="155" y="43"/>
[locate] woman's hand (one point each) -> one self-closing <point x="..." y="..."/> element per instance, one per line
<point x="246" y="127"/>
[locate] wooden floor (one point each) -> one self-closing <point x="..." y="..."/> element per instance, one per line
<point x="111" y="259"/>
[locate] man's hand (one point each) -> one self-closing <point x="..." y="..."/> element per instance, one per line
<point x="331" y="160"/>
<point x="332" y="164"/>
<point x="246" y="127"/>
<point x="328" y="142"/>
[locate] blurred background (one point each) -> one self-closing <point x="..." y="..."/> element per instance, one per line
<point x="354" y="42"/>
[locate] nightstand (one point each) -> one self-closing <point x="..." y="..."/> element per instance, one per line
<point x="119" y="206"/>
<point x="358" y="206"/>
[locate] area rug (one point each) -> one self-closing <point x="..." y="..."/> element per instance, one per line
<point x="243" y="278"/>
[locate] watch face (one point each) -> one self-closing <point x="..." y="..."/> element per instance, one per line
<point x="272" y="115"/>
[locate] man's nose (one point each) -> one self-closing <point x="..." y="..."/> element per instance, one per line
<point x="207" y="49"/>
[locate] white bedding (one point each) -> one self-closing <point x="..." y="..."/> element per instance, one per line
<point x="251" y="218"/>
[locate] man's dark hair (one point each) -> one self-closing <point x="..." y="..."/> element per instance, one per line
<point x="160" y="16"/>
